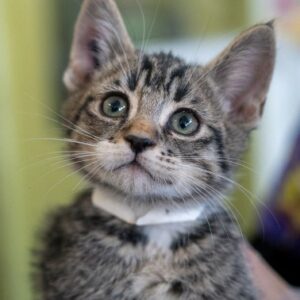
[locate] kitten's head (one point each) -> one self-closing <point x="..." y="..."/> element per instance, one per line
<point x="153" y="125"/>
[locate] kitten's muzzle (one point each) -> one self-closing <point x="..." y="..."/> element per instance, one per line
<point x="139" y="144"/>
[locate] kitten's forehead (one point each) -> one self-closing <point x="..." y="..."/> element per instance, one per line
<point x="159" y="81"/>
<point x="175" y="84"/>
<point x="162" y="72"/>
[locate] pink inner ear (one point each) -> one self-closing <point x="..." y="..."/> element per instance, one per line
<point x="246" y="112"/>
<point x="243" y="73"/>
<point x="246" y="85"/>
<point x="82" y="63"/>
<point x="82" y="50"/>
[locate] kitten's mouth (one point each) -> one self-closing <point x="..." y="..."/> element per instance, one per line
<point x="136" y="169"/>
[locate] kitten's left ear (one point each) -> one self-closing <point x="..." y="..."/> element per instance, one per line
<point x="243" y="73"/>
<point x="100" y="36"/>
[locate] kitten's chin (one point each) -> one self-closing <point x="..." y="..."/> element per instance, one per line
<point x="134" y="180"/>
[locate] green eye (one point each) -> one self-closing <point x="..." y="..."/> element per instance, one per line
<point x="184" y="122"/>
<point x="115" y="107"/>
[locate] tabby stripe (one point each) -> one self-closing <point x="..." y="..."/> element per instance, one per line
<point x="205" y="167"/>
<point x="117" y="82"/>
<point x="177" y="73"/>
<point x="127" y="234"/>
<point x="218" y="138"/>
<point x="184" y="240"/>
<point x="209" y="173"/>
<point x="77" y="116"/>
<point x="181" y="92"/>
<point x="94" y="48"/>
<point x="206" y="141"/>
<point x="132" y="80"/>
<point x="147" y="67"/>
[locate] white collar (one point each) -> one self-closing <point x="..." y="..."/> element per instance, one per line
<point x="114" y="204"/>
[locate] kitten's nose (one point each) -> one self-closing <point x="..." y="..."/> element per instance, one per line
<point x="139" y="144"/>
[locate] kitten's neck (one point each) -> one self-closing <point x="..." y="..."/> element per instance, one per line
<point x="115" y="204"/>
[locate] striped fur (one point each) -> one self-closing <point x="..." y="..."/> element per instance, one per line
<point x="90" y="255"/>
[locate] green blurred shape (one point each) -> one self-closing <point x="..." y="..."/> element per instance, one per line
<point x="169" y="19"/>
<point x="27" y="60"/>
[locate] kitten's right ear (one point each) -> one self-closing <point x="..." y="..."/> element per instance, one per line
<point x="100" y="36"/>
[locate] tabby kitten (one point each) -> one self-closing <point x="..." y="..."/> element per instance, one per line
<point x="158" y="139"/>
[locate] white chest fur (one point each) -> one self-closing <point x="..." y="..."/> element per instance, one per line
<point x="160" y="224"/>
<point x="162" y="236"/>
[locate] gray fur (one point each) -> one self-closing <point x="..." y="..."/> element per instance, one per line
<point x="91" y="255"/>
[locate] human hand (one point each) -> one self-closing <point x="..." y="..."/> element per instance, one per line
<point x="268" y="283"/>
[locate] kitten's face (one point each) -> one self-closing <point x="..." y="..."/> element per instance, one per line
<point x="157" y="129"/>
<point x="153" y="126"/>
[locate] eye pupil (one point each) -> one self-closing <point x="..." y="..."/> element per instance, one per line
<point x="185" y="122"/>
<point x="116" y="106"/>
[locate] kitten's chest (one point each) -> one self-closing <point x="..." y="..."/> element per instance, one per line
<point x="104" y="258"/>
<point x="157" y="254"/>
<point x="161" y="267"/>
<point x="153" y="270"/>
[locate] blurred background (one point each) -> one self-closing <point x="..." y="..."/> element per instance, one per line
<point x="35" y="37"/>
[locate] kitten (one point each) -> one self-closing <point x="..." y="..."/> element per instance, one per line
<point x="157" y="137"/>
